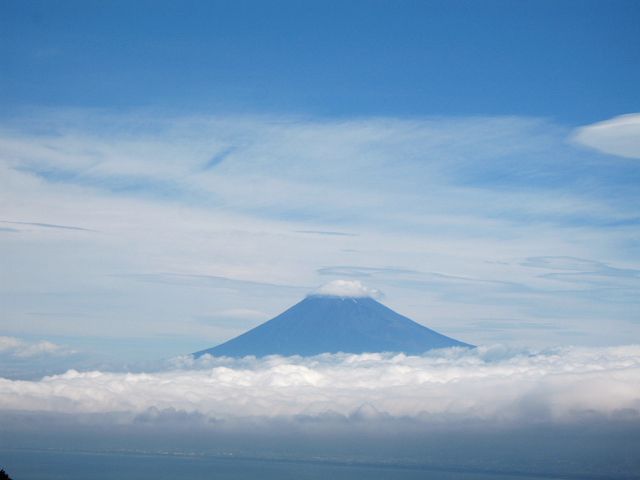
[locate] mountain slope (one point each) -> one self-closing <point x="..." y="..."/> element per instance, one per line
<point x="321" y="324"/>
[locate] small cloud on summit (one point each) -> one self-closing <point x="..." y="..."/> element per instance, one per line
<point x="346" y="288"/>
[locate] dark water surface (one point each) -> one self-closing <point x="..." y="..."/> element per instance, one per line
<point x="61" y="465"/>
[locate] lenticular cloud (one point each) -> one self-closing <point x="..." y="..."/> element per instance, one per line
<point x="346" y="288"/>
<point x="488" y="384"/>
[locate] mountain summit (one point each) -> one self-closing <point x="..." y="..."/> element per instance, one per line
<point x="328" y="322"/>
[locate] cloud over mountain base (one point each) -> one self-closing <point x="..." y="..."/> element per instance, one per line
<point x="490" y="384"/>
<point x="564" y="410"/>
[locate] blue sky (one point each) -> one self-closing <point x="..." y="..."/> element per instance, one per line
<point x="174" y="173"/>
<point x="573" y="61"/>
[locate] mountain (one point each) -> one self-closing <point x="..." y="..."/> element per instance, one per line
<point x="325" y="323"/>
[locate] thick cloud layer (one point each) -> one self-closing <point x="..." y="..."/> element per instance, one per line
<point x="346" y="288"/>
<point x="491" y="384"/>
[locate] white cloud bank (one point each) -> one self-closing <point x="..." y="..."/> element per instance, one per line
<point x="489" y="384"/>
<point x="346" y="288"/>
<point x="617" y="136"/>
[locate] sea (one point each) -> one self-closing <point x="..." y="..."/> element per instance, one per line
<point x="26" y="464"/>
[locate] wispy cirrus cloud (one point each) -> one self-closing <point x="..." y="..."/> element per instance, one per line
<point x="46" y="225"/>
<point x="617" y="136"/>
<point x="204" y="214"/>
<point x="328" y="233"/>
<point x="580" y="265"/>
<point x="581" y="271"/>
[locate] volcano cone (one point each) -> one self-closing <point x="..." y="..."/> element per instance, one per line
<point x="328" y="324"/>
